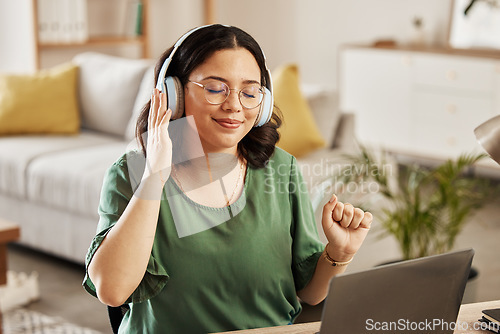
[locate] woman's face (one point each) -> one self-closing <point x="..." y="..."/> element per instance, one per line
<point x="221" y="127"/>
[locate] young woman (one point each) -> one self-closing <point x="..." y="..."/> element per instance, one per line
<point x="258" y="248"/>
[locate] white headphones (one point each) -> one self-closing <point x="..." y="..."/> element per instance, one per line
<point x="172" y="87"/>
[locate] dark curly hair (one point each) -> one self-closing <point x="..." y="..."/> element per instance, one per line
<point x="259" y="144"/>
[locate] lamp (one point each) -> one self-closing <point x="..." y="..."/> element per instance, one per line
<point x="488" y="135"/>
<point x="469" y="7"/>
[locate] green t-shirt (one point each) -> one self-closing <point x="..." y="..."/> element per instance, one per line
<point x="239" y="274"/>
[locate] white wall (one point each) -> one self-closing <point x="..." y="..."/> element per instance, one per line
<point x="272" y="23"/>
<point x="308" y="32"/>
<point x="362" y="21"/>
<point x="16" y="36"/>
<point x="169" y="19"/>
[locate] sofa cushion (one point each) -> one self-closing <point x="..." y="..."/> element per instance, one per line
<point x="108" y="88"/>
<point x="17" y="152"/>
<point x="299" y="133"/>
<point x="323" y="102"/>
<point x="143" y="96"/>
<point x="43" y="102"/>
<point x="57" y="232"/>
<point x="72" y="180"/>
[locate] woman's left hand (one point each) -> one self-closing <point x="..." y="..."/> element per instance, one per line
<point x="345" y="228"/>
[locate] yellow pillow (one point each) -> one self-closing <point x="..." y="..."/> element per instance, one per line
<point x="299" y="133"/>
<point x="40" y="103"/>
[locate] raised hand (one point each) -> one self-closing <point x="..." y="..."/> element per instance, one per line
<point x="345" y="228"/>
<point x="159" y="145"/>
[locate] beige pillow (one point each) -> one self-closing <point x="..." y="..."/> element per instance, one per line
<point x="40" y="103"/>
<point x="299" y="133"/>
<point x="323" y="102"/>
<point x="108" y="86"/>
<point x="143" y="96"/>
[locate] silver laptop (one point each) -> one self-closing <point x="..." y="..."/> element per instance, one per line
<point x="415" y="296"/>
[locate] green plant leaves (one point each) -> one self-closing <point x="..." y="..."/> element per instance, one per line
<point x="428" y="207"/>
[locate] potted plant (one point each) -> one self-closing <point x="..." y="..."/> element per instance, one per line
<point x="423" y="208"/>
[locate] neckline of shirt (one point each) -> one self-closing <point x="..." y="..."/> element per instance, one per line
<point x="211" y="208"/>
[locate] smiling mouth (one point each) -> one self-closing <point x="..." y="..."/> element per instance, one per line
<point x="228" y="123"/>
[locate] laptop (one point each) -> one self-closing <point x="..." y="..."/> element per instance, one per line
<point x="414" y="296"/>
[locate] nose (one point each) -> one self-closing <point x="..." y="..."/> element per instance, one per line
<point x="232" y="102"/>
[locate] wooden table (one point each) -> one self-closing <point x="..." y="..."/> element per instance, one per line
<point x="8" y="232"/>
<point x="467" y="322"/>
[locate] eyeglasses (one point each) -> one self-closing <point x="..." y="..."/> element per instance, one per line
<point x="217" y="92"/>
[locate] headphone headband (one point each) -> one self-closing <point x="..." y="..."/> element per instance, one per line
<point x="173" y="88"/>
<point x="167" y="61"/>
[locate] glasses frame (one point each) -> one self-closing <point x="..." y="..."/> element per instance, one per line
<point x="230" y="89"/>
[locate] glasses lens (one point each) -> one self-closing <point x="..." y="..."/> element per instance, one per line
<point x="216" y="92"/>
<point x="251" y="96"/>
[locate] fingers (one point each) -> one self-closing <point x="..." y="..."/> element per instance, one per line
<point x="162" y="106"/>
<point x="166" y="118"/>
<point x="357" y="218"/>
<point x="338" y="212"/>
<point x="367" y="220"/>
<point x="346" y="215"/>
<point x="158" y="108"/>
<point x="153" y="108"/>
<point x="327" y="212"/>
<point x="166" y="114"/>
<point x="352" y="216"/>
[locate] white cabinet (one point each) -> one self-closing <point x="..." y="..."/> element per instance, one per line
<point x="424" y="104"/>
<point x="443" y="123"/>
<point x="376" y="86"/>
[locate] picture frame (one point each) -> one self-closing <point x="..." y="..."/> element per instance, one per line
<point x="475" y="24"/>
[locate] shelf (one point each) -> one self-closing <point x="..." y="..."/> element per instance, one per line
<point x="484" y="53"/>
<point x="95" y="41"/>
<point x="140" y="41"/>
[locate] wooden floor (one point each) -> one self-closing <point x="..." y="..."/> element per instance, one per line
<point x="61" y="289"/>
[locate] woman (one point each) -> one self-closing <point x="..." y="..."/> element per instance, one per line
<point x="261" y="251"/>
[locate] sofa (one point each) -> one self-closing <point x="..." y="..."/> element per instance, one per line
<point x="50" y="180"/>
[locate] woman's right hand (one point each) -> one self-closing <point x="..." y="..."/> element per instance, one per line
<point x="127" y="246"/>
<point x="159" y="145"/>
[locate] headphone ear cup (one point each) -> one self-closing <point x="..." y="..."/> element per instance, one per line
<point x="266" y="108"/>
<point x="175" y="96"/>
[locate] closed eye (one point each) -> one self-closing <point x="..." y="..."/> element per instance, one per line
<point x="250" y="96"/>
<point x="214" y="91"/>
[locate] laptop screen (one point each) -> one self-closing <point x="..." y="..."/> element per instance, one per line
<point x="420" y="296"/>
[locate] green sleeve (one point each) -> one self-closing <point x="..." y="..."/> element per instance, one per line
<point x="307" y="247"/>
<point x="117" y="190"/>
